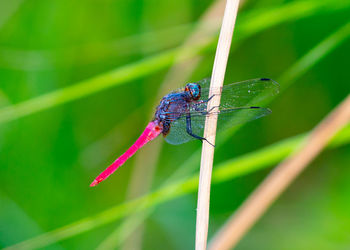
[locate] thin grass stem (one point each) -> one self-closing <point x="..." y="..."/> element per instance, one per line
<point x="217" y="80"/>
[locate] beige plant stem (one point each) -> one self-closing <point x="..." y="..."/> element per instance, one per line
<point x="217" y="79"/>
<point x="280" y="178"/>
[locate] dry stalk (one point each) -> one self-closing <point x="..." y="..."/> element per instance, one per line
<point x="258" y="202"/>
<point x="217" y="79"/>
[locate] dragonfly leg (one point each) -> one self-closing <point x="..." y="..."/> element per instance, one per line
<point x="208" y="112"/>
<point x="197" y="106"/>
<point x="210" y="97"/>
<point x="212" y="109"/>
<point x="189" y="130"/>
<point x="205" y="101"/>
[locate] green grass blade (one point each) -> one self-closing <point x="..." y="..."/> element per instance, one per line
<point x="8" y="9"/>
<point x="34" y="60"/>
<point x="122" y="232"/>
<point x="316" y="54"/>
<point x="88" y="87"/>
<point x="263" y="19"/>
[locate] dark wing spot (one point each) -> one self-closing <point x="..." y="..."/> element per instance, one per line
<point x="265" y="79"/>
<point x="254" y="107"/>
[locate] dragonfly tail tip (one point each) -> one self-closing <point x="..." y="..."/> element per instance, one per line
<point x="94" y="183"/>
<point x="97" y="181"/>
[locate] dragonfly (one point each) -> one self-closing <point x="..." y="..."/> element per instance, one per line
<point x="180" y="115"/>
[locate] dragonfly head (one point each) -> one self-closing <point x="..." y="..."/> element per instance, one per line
<point x="194" y="90"/>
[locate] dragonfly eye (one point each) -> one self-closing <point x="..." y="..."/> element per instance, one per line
<point x="194" y="89"/>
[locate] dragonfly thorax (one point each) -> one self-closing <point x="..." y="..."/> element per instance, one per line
<point x="171" y="107"/>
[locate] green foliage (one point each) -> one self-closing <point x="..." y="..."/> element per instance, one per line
<point x="49" y="116"/>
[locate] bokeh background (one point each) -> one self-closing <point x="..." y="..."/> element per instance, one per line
<point x="79" y="80"/>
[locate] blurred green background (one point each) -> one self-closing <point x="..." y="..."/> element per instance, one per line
<point x="79" y="80"/>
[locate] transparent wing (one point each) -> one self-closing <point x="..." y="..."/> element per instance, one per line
<point x="239" y="104"/>
<point x="227" y="118"/>
<point x="240" y="94"/>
